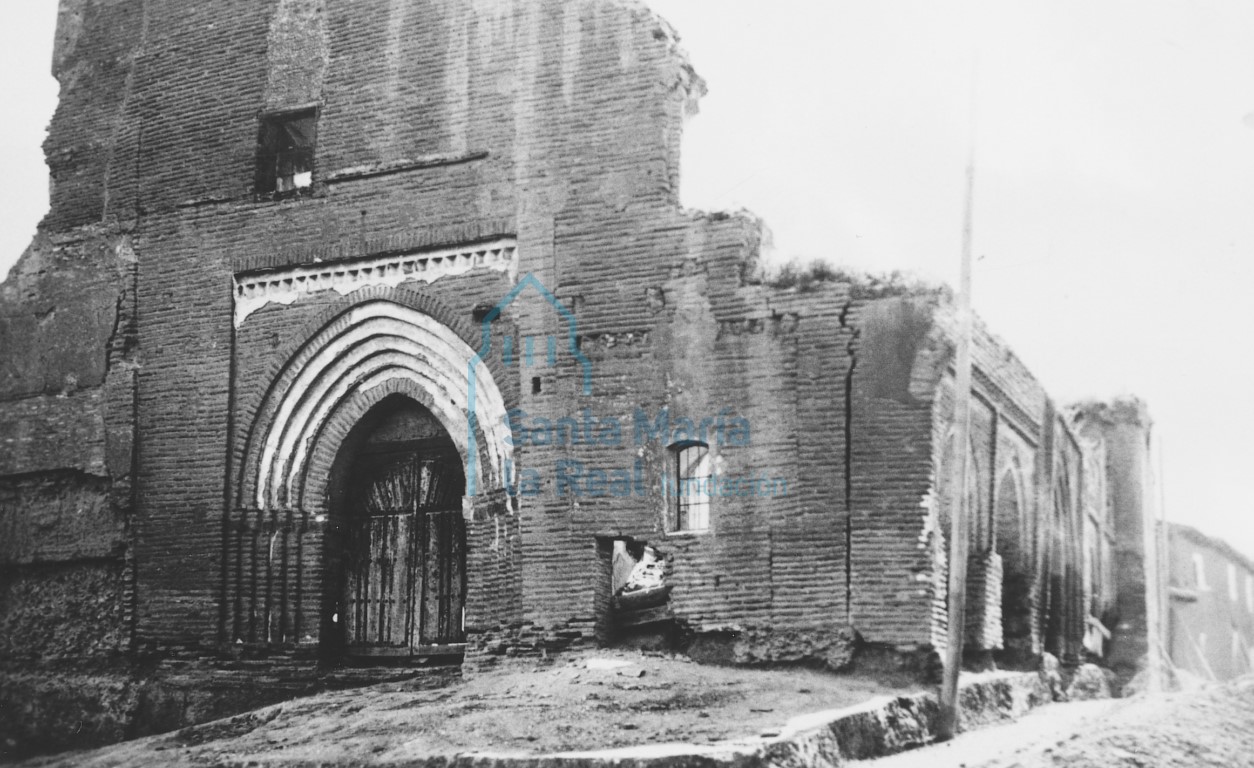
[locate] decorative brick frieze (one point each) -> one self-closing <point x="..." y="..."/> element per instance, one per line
<point x="255" y="290"/>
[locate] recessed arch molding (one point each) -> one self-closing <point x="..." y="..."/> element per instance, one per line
<point x="373" y="348"/>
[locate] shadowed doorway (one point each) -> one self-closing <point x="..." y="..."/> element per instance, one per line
<point x="397" y="552"/>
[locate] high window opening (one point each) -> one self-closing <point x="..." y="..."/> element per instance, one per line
<point x="691" y="465"/>
<point x="285" y="152"/>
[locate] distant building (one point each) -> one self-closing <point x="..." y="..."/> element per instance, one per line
<point x="1210" y="629"/>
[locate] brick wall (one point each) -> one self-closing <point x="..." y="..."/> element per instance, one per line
<point x="1033" y="491"/>
<point x="1123" y="427"/>
<point x="478" y="117"/>
<point x="442" y="126"/>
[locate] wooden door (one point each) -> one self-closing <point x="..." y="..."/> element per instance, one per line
<point x="406" y="558"/>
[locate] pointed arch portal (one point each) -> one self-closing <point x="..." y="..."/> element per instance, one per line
<point x="369" y="347"/>
<point x="352" y="493"/>
<point x="399" y="548"/>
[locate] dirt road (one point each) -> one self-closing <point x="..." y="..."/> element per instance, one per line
<point x="1213" y="726"/>
<point x="601" y="700"/>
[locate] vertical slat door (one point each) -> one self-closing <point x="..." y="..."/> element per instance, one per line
<point x="444" y="578"/>
<point x="406" y="559"/>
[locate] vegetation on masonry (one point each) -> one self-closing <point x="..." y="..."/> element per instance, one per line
<point x="804" y="277"/>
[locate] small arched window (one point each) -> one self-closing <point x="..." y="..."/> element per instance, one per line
<point x="690" y="496"/>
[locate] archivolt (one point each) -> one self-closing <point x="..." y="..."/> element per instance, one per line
<point x="370" y="345"/>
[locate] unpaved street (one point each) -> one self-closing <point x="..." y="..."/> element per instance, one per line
<point x="591" y="701"/>
<point x="1209" y="727"/>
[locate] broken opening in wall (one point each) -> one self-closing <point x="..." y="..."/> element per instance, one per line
<point x="633" y="594"/>
<point x="285" y="151"/>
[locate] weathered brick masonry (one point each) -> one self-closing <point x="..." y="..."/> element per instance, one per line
<point x="191" y="367"/>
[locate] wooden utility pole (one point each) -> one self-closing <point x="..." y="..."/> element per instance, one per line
<point x="1156" y="562"/>
<point x="959" y="533"/>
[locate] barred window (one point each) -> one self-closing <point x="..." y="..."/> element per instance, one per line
<point x="285" y="151"/>
<point x="691" y="492"/>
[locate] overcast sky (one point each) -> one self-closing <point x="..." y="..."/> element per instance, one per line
<point x="1114" y="221"/>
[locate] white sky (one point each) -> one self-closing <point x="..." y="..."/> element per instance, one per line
<point x="1115" y="184"/>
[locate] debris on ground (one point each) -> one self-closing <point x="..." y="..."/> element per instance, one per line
<point x="1211" y="726"/>
<point x="1089" y="683"/>
<point x="1051" y="676"/>
<point x="1207" y="726"/>
<point x="591" y="701"/>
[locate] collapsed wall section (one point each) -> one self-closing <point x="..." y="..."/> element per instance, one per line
<point x="68" y="350"/>
<point x="67" y="330"/>
<point x="67" y="415"/>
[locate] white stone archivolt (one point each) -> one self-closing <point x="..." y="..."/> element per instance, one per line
<point x="372" y="344"/>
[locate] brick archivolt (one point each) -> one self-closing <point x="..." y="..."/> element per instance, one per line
<point x="375" y="344"/>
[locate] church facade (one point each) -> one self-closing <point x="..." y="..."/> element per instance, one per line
<point x="372" y="331"/>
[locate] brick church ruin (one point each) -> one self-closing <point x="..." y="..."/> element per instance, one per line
<point x="374" y="331"/>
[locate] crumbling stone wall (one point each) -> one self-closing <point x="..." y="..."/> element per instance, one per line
<point x="64" y="613"/>
<point x="67" y="331"/>
<point x="1135" y="619"/>
<point x="68" y="362"/>
<point x="1026" y="586"/>
<point x="462" y="151"/>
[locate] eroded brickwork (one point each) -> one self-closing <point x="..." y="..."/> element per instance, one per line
<point x="186" y="360"/>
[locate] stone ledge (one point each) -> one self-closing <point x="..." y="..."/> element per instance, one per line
<point x="402" y="166"/>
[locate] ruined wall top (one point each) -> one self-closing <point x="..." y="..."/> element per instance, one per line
<point x="160" y="100"/>
<point x="1126" y="410"/>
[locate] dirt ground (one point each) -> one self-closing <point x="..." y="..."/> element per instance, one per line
<point x="1212" y="726"/>
<point x="595" y="700"/>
